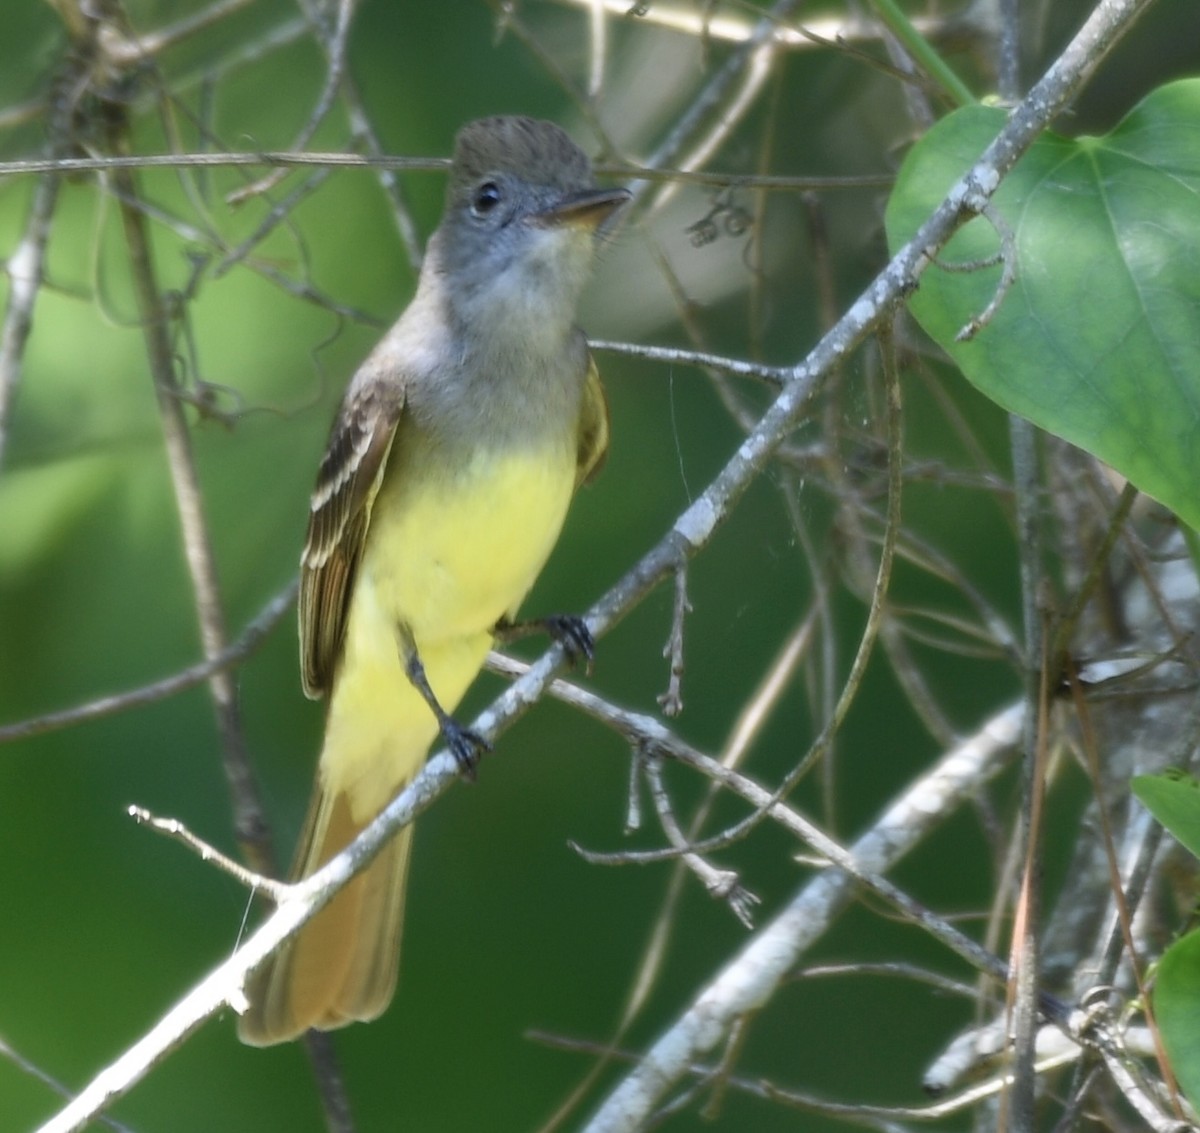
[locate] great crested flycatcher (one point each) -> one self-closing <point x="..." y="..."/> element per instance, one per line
<point x="450" y="465"/>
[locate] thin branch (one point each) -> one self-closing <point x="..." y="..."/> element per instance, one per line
<point x="751" y="976"/>
<point x="249" y="824"/>
<point x="873" y="853"/>
<point x="738" y="102"/>
<point x="24" y="270"/>
<point x="904" y="820"/>
<point x="671" y="701"/>
<point x="723" y="884"/>
<point x="1026" y="943"/>
<point x="335" y="52"/>
<point x="875" y="617"/>
<point x="224" y="986"/>
<point x="905" y="823"/>
<point x="1008" y="50"/>
<point x="129" y="52"/>
<point x="716" y="91"/>
<point x="892" y="969"/>
<point x="252" y="636"/>
<point x="746" y="728"/>
<point x="631" y="1102"/>
<point x="25" y="266"/>
<point x="930" y="61"/>
<point x="175" y="830"/>
<point x="9" y="1052"/>
<point x="1097" y="564"/>
<point x="1060" y="1051"/>
<point x="280" y="212"/>
<point x="598" y="48"/>
<point x="771" y="375"/>
<point x="331" y="1084"/>
<point x="1007" y="258"/>
<point x="508" y="19"/>
<point x="293" y="160"/>
<point x="696" y="21"/>
<point x="1124" y="912"/>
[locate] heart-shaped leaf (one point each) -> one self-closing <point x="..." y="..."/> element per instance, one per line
<point x="1098" y="339"/>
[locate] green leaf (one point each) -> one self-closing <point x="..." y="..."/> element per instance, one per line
<point x="1098" y="340"/>
<point x="1173" y="797"/>
<point x="1177" y="1009"/>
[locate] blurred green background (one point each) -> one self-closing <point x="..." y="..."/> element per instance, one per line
<point x="103" y="925"/>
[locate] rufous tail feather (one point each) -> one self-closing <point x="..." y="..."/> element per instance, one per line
<point x="341" y="967"/>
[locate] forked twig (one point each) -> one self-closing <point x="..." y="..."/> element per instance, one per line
<point x="175" y="830"/>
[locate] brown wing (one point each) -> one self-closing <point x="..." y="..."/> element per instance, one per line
<point x="347" y="482"/>
<point x="593" y="428"/>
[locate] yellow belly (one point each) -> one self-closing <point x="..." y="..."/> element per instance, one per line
<point x="446" y="557"/>
<point x="453" y="556"/>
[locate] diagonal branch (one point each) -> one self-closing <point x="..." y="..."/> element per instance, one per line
<point x="631" y="1103"/>
<point x="634" y="1099"/>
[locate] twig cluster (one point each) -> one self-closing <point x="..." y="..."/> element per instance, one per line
<point x="111" y="74"/>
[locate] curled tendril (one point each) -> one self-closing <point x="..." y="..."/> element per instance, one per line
<point x="703" y="232"/>
<point x="724" y="215"/>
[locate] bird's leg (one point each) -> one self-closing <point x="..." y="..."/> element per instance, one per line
<point x="568" y="630"/>
<point x="466" y="746"/>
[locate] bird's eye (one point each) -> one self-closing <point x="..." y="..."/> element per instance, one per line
<point x="486" y="198"/>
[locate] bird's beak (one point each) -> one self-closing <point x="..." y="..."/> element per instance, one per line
<point x="588" y="208"/>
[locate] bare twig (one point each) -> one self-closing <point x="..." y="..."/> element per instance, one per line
<point x="25" y="266"/>
<point x="746" y="728"/>
<point x="902" y="825"/>
<point x="335" y="52"/>
<point x="331" y="1084"/>
<point x="1007" y="258"/>
<point x="65" y="166"/>
<point x="740" y="367"/>
<point x="1025" y="947"/>
<point x="384" y="163"/>
<point x="128" y="52"/>
<point x="1124" y="915"/>
<point x="993" y="741"/>
<point x="734" y="27"/>
<point x="224" y="985"/>
<point x="277" y="215"/>
<point x="632" y="1100"/>
<point x="723" y="884"/>
<point x="24" y="271"/>
<point x="747" y="982"/>
<point x="11" y="1054"/>
<point x="750" y="977"/>
<point x="252" y="636"/>
<point x="249" y="823"/>
<point x="671" y="701"/>
<point x="598" y="48"/>
<point x="884" y="1118"/>
<point x="174" y="829"/>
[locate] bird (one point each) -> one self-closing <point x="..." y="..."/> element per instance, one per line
<point x="450" y="465"/>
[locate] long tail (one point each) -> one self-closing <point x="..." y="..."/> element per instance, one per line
<point x="341" y="967"/>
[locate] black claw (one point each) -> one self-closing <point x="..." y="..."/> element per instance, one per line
<point x="466" y="746"/>
<point x="573" y="635"/>
<point x="567" y="630"/>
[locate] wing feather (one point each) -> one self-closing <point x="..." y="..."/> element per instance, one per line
<point x="339" y="515"/>
<point x="593" y="428"/>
